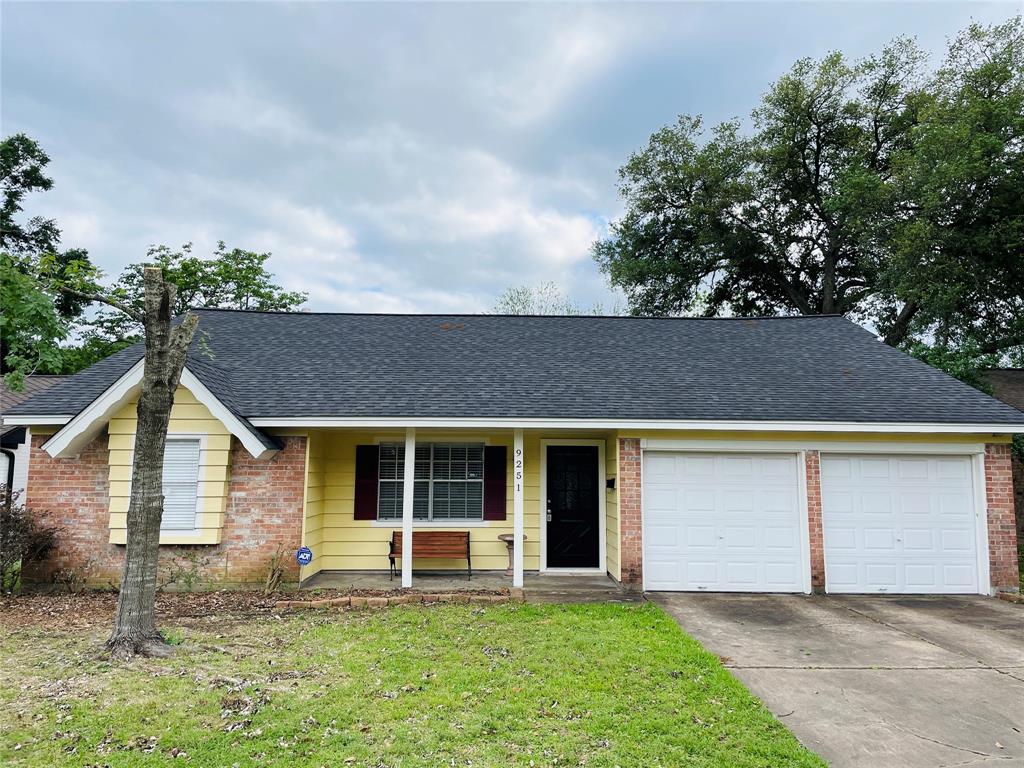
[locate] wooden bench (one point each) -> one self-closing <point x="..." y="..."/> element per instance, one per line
<point x="446" y="544"/>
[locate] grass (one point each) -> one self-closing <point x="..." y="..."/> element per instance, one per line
<point x="453" y="685"/>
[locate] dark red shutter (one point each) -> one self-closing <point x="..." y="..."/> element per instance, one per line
<point x="367" y="460"/>
<point x="495" y="478"/>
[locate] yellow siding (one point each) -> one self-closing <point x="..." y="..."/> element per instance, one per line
<point x="312" y="533"/>
<point x="349" y="544"/>
<point x="611" y="458"/>
<point x="188" y="416"/>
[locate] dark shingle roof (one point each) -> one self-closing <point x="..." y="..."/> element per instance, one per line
<point x="816" y="369"/>
<point x="33" y="386"/>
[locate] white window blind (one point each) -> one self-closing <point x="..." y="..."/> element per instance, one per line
<point x="449" y="481"/>
<point x="181" y="485"/>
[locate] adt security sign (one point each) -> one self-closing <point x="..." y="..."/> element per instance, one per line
<point x="304" y="556"/>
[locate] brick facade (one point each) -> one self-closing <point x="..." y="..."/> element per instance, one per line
<point x="631" y="545"/>
<point x="72" y="495"/>
<point x="814" y="523"/>
<point x="264" y="513"/>
<point x="1002" y="529"/>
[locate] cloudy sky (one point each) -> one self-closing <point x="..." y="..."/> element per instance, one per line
<point x="392" y="157"/>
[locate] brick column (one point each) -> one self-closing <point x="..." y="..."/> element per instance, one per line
<point x="631" y="544"/>
<point x="814" y="524"/>
<point x="1002" y="530"/>
<point x="264" y="512"/>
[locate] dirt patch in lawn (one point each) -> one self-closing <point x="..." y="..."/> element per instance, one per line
<point x="90" y="609"/>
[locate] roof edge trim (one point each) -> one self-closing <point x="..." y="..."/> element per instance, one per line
<point x="716" y="425"/>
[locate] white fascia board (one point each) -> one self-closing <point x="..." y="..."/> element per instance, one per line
<point x="89" y="422"/>
<point x="41" y="420"/>
<point x="84" y="427"/>
<point x="632" y="424"/>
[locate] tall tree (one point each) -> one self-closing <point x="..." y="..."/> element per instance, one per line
<point x="27" y="323"/>
<point x="229" y="279"/>
<point x="166" y="346"/>
<point x="874" y="189"/>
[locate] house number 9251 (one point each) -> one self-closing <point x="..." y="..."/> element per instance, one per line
<point x="519" y="469"/>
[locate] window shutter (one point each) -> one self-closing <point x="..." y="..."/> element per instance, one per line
<point x="367" y="460"/>
<point x="181" y="485"/>
<point x="495" y="471"/>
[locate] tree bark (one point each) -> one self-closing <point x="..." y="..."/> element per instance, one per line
<point x="135" y="629"/>
<point x="897" y="333"/>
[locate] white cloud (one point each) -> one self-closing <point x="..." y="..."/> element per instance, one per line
<point x="238" y="108"/>
<point x="536" y="82"/>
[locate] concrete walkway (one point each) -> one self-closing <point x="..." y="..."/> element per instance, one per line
<point x="872" y="682"/>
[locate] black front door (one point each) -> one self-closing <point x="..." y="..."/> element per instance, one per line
<point x="573" y="536"/>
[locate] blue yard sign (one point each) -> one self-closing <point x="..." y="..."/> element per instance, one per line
<point x="304" y="556"/>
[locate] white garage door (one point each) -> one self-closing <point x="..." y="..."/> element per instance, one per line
<point x="722" y="522"/>
<point x="899" y="524"/>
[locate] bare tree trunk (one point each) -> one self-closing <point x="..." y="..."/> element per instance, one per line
<point x="135" y="629"/>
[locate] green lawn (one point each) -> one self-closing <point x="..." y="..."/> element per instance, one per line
<point x="451" y="685"/>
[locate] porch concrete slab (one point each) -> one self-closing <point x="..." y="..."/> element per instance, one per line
<point x="537" y="587"/>
<point x="875" y="681"/>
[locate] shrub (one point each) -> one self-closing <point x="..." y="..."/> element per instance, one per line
<point x="24" y="538"/>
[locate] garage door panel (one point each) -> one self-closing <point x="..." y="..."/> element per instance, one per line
<point x="899" y="524"/>
<point x="736" y="520"/>
<point x="700" y="536"/>
<point x="781" y="537"/>
<point x="911" y="469"/>
<point x="737" y="537"/>
<point x="661" y="499"/>
<point x="779" y="575"/>
<point x="697" y="500"/>
<point x="879" y="540"/>
<point x="875" y="503"/>
<point x="956" y="505"/>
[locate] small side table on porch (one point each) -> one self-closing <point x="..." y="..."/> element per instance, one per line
<point x="509" y="540"/>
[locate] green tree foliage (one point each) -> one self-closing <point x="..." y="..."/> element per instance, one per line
<point x="30" y="326"/>
<point x="34" y="320"/>
<point x="877" y="189"/>
<point x="228" y="279"/>
<point x="22" y="171"/>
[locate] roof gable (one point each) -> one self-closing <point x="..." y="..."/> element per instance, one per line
<point x="91" y="420"/>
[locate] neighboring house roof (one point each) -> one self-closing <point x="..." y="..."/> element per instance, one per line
<point x="33" y="386"/>
<point x="267" y="366"/>
<point x="1008" y="385"/>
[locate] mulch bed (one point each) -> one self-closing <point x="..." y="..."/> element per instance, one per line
<point x="94" y="608"/>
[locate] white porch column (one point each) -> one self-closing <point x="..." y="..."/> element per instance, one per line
<point x="408" y="491"/>
<point x="517" y="509"/>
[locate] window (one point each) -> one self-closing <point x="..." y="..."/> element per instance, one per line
<point x="449" y="481"/>
<point x="181" y="485"/>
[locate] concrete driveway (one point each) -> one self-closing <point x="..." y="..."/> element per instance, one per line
<point x="876" y="681"/>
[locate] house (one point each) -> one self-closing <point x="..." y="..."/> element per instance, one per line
<point x="747" y="454"/>
<point x="14" y="440"/>
<point x="1008" y="385"/>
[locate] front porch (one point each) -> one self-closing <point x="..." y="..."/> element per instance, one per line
<point x="551" y="493"/>
<point x="547" y="587"/>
